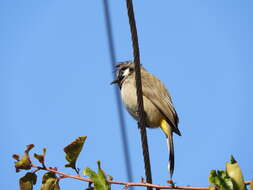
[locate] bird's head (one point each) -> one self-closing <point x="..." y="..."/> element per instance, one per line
<point x="123" y="70"/>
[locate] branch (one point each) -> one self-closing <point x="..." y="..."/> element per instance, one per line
<point x="126" y="184"/>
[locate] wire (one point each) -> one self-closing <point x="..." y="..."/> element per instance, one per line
<point x="141" y="113"/>
<point x="117" y="95"/>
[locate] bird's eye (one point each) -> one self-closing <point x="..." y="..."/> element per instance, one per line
<point x="121" y="71"/>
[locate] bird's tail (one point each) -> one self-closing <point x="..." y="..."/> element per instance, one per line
<point x="169" y="138"/>
<point x="170" y="146"/>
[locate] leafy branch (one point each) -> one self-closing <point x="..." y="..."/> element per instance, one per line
<point x="230" y="179"/>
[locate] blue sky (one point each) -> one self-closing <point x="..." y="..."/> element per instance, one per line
<point x="55" y="79"/>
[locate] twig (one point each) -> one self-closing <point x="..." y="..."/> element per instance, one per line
<point x="37" y="169"/>
<point x="64" y="175"/>
<point x="126" y="184"/>
<point x="247" y="182"/>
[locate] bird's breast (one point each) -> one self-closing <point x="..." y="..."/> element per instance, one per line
<point x="129" y="98"/>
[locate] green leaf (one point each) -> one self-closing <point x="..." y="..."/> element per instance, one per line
<point x="102" y="177"/>
<point x="73" y="150"/>
<point x="26" y="182"/>
<point x="25" y="162"/>
<point x="50" y="182"/>
<point x="99" y="179"/>
<point x="41" y="157"/>
<point x="220" y="179"/>
<point x="89" y="172"/>
<point x="235" y="173"/>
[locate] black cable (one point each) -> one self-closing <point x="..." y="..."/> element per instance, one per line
<point x="141" y="113"/>
<point x="116" y="90"/>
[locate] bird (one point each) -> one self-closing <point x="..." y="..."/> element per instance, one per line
<point x="158" y="107"/>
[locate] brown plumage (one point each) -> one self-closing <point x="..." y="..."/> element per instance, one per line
<point x="158" y="105"/>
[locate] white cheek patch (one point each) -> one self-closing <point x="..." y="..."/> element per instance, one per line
<point x="126" y="72"/>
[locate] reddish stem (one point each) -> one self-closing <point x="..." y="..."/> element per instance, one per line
<point x="126" y="184"/>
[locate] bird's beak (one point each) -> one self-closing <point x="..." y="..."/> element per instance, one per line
<point x="115" y="81"/>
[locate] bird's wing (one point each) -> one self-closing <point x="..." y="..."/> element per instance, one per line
<point x="155" y="91"/>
